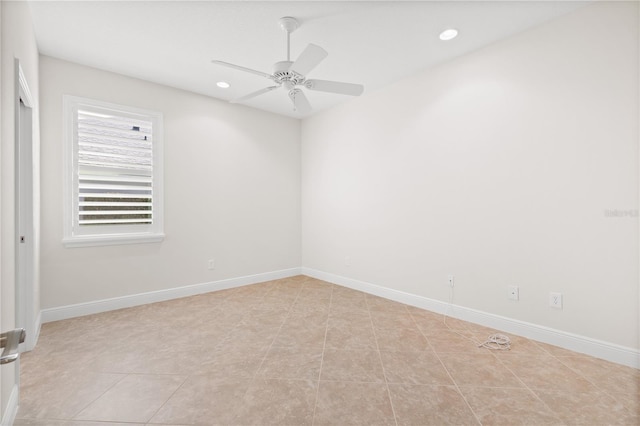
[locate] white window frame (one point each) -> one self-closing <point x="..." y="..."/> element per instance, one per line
<point x="75" y="235"/>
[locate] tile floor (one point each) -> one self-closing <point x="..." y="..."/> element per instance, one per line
<point x="300" y="351"/>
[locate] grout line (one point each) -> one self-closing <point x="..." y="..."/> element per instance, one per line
<point x="561" y="360"/>
<point x="232" y="300"/>
<point x="99" y="396"/>
<point x="167" y="400"/>
<point x="255" y="375"/>
<point x="384" y="375"/>
<point x="448" y="372"/>
<point x="324" y="345"/>
<point x="533" y="392"/>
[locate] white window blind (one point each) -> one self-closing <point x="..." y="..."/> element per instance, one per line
<point x="115" y="175"/>
<point x="115" y="170"/>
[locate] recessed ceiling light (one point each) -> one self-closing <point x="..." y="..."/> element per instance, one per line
<point x="449" y="34"/>
<point x="223" y="84"/>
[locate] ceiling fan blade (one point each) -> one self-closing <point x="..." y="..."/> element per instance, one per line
<point x="335" y="87"/>
<point x="300" y="101"/>
<point x="308" y="59"/>
<point x="254" y="94"/>
<point x="245" y="69"/>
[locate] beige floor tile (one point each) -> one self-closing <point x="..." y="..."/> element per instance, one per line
<point x="631" y="402"/>
<point x="345" y="403"/>
<point x="376" y="303"/>
<point x="274" y="303"/>
<point x="291" y="363"/>
<point x="352" y="366"/>
<point x="361" y="319"/>
<point x="320" y="295"/>
<point x="503" y="406"/>
<point x="386" y="320"/>
<point x="204" y="400"/>
<point x="587" y="408"/>
<point x="401" y="339"/>
<point x="419" y="368"/>
<point x="308" y="306"/>
<point x="309" y="282"/>
<point x="555" y="350"/>
<point x="250" y="335"/>
<point x="347" y="293"/>
<point x="139" y="360"/>
<point x="430" y="405"/>
<point x="546" y="372"/>
<point x="163" y="424"/>
<point x="451" y="341"/>
<point x="307" y="318"/>
<point x="432" y="323"/>
<point x="298" y="335"/>
<point x="136" y="398"/>
<point x="477" y="369"/>
<point x="253" y="355"/>
<point x="42" y="364"/>
<point x="232" y="361"/>
<point x="605" y="375"/>
<point x="54" y="422"/>
<point x="348" y="305"/>
<point x="351" y="337"/>
<point x="62" y="394"/>
<point x="265" y="318"/>
<point x="278" y="402"/>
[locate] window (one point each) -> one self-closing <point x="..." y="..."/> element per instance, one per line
<point x="113" y="174"/>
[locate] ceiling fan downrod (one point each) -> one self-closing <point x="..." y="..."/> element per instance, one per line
<point x="289" y="25"/>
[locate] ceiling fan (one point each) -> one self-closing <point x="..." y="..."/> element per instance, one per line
<point x="289" y="74"/>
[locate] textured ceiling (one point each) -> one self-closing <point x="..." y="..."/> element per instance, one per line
<point x="372" y="43"/>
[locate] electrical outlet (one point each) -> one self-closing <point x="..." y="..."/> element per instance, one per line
<point x="513" y="292"/>
<point x="450" y="280"/>
<point x="211" y="264"/>
<point x="555" y="300"/>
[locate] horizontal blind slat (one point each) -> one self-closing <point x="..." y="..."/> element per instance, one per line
<point x="112" y="195"/>
<point x="115" y="178"/>
<point x="113" y="221"/>
<point x="114" y="212"/>
<point x="107" y="204"/>
<point x="114" y="187"/>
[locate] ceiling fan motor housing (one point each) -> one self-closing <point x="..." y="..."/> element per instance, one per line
<point x="283" y="75"/>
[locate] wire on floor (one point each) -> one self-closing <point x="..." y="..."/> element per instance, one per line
<point x="496" y="342"/>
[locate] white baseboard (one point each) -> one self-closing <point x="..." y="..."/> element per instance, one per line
<point x="597" y="348"/>
<point x="582" y="344"/>
<point x="11" y="412"/>
<point x="81" y="309"/>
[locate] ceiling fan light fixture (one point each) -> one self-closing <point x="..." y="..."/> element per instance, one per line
<point x="448" y="34"/>
<point x="223" y="84"/>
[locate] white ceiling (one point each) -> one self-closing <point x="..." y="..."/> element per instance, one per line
<point x="372" y="43"/>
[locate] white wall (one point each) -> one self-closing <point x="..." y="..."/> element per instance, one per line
<point x="232" y="192"/>
<point x="496" y="167"/>
<point x="18" y="41"/>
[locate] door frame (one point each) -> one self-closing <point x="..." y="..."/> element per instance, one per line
<point x="24" y="209"/>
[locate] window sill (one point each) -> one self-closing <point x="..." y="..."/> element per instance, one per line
<point x="111" y="240"/>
